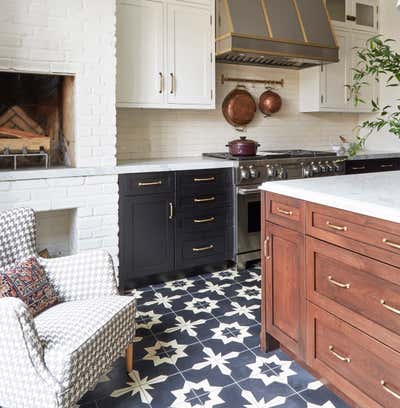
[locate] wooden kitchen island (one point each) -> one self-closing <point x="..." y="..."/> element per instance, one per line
<point x="331" y="281"/>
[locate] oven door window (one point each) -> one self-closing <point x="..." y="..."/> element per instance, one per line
<point x="254" y="218"/>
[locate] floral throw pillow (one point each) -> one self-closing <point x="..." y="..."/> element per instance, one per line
<point x="27" y="280"/>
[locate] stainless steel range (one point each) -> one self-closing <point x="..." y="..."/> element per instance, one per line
<point x="251" y="172"/>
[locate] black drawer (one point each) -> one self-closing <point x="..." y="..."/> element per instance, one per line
<point x="372" y="165"/>
<point x="203" y="250"/>
<point x="197" y="180"/>
<point x="146" y="183"/>
<point x="204" y="200"/>
<point x="211" y="220"/>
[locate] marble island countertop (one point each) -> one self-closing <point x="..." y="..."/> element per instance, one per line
<point x="373" y="194"/>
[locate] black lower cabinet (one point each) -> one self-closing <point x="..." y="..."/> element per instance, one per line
<point x="174" y="222"/>
<point x="146" y="237"/>
<point x="372" y="165"/>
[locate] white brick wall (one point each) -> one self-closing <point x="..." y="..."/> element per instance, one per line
<point x="147" y="133"/>
<point x="69" y="37"/>
<point x="95" y="198"/>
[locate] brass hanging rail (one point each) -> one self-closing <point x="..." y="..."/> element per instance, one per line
<point x="253" y="81"/>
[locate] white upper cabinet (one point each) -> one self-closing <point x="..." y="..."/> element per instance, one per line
<point x="165" y="54"/>
<point x="140" y="63"/>
<point x="325" y="88"/>
<point x="190" y="58"/>
<point x="354" y="14"/>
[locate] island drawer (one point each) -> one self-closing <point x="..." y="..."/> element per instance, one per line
<point x="285" y="211"/>
<point x="345" y="228"/>
<point x="338" y="278"/>
<point x="346" y="356"/>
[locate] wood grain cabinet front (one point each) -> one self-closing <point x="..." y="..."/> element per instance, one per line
<point x="285" y="286"/>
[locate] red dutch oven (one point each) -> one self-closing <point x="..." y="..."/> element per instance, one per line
<point x="243" y="147"/>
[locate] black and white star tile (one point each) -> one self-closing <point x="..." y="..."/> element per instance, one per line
<point x="197" y="346"/>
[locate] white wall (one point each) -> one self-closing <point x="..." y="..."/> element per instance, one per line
<point x="390" y="28"/>
<point x="146" y="133"/>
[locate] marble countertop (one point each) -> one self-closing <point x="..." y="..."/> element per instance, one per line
<point x="123" y="167"/>
<point x="372" y="194"/>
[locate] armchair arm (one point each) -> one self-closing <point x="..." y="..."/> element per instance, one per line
<point x="83" y="276"/>
<point x="22" y="358"/>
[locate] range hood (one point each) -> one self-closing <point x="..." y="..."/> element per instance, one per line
<point x="283" y="33"/>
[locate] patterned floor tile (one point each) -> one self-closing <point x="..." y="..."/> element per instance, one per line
<point x="197" y="346"/>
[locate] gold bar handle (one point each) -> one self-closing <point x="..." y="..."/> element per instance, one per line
<point x="266" y="248"/>
<point x="161" y="82"/>
<point x="199" y="180"/>
<point x="285" y="212"/>
<point x="390" y="243"/>
<point x="204" y="200"/>
<point x="389" y="390"/>
<point x="207" y="248"/>
<point x="172" y="83"/>
<point x="336" y="227"/>
<point x="391" y="308"/>
<point x="340" y="285"/>
<point x="338" y="356"/>
<point x="151" y="183"/>
<point x="211" y="219"/>
<point x="171" y="211"/>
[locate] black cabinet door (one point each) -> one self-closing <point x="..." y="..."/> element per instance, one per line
<point x="146" y="236"/>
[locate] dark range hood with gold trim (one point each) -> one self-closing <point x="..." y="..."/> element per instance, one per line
<point x="282" y="33"/>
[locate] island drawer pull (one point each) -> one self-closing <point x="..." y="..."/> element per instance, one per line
<point x="207" y="248"/>
<point x="338" y="284"/>
<point x="284" y="212"/>
<point x="336" y="227"/>
<point x="204" y="200"/>
<point x="391" y="308"/>
<point x="150" y="183"/>
<point x="338" y="356"/>
<point x="171" y="211"/>
<point x="390" y="243"/>
<point x="199" y="180"/>
<point x="389" y="390"/>
<point x="204" y="220"/>
<point x="266" y="248"/>
<point x="384" y="166"/>
<point x="358" y="168"/>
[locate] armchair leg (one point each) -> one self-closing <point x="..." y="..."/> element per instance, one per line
<point x="129" y="358"/>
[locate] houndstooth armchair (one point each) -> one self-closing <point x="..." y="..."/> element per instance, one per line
<point x="51" y="360"/>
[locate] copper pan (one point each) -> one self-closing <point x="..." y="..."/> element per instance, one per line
<point x="239" y="107"/>
<point x="270" y="102"/>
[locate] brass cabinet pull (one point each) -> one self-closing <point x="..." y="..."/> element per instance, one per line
<point x="391" y="308"/>
<point x="204" y="200"/>
<point x="338" y="356"/>
<point x="151" y="183"/>
<point x="211" y="219"/>
<point x="336" y="227"/>
<point x="340" y="285"/>
<point x="161" y="82"/>
<point x="390" y="243"/>
<point x="172" y="83"/>
<point x="171" y="211"/>
<point x="384" y="166"/>
<point x="266" y="248"/>
<point x="389" y="390"/>
<point x="207" y="248"/>
<point x="285" y="212"/>
<point x="358" y="168"/>
<point x="199" y="180"/>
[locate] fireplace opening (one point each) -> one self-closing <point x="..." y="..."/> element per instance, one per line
<point x="36" y="120"/>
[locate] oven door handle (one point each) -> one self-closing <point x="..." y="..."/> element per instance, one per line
<point x="248" y="191"/>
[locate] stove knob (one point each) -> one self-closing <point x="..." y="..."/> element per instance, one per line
<point x="244" y="173"/>
<point x="315" y="168"/>
<point x="329" y="167"/>
<point x="338" y="166"/>
<point x="254" y="173"/>
<point x="307" y="172"/>
<point x="282" y="174"/>
<point x="323" y="168"/>
<point x="271" y="171"/>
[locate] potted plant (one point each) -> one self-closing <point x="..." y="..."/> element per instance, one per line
<point x="378" y="60"/>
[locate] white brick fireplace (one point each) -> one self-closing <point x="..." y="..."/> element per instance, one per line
<point x="74" y="37"/>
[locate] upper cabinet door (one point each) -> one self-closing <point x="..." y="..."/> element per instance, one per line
<point x="140" y="76"/>
<point x="190" y="46"/>
<point x="336" y="76"/>
<point x="366" y="15"/>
